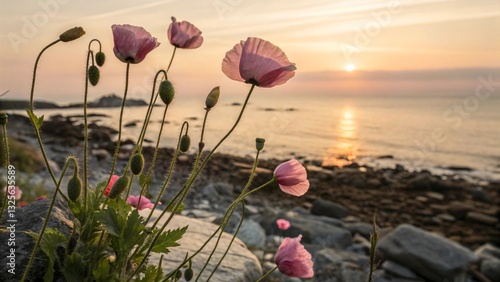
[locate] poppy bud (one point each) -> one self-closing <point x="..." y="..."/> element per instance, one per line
<point x="74" y="188"/>
<point x="94" y="75"/>
<point x="3" y="118"/>
<point x="201" y="145"/>
<point x="137" y="163"/>
<point x="167" y="92"/>
<point x="100" y="58"/>
<point x="212" y="98"/>
<point x="118" y="187"/>
<point x="188" y="274"/>
<point x="72" y="34"/>
<point x="185" y="143"/>
<point x="178" y="274"/>
<point x="259" y="143"/>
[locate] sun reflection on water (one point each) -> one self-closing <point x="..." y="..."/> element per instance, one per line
<point x="344" y="151"/>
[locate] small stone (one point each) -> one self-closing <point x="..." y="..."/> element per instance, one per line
<point x="481" y="218"/>
<point x="491" y="269"/>
<point x="435" y="196"/>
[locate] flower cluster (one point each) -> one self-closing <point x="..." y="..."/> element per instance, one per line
<point x="114" y="241"/>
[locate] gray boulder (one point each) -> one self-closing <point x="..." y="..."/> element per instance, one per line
<point x="31" y="218"/>
<point x="429" y="255"/>
<point x="329" y="208"/>
<point x="252" y="234"/>
<point x="332" y="265"/>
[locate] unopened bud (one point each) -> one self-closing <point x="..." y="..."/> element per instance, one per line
<point x="72" y="34"/>
<point x="94" y="75"/>
<point x="185" y="143"/>
<point x="118" y="187"/>
<point x="201" y="145"/>
<point x="178" y="274"/>
<point x="167" y="92"/>
<point x="188" y="274"/>
<point x="100" y="58"/>
<point x="137" y="164"/>
<point x="212" y="98"/>
<point x="74" y="188"/>
<point x="259" y="143"/>
<point x="3" y="118"/>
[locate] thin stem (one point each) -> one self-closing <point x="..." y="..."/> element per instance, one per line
<point x="267" y="274"/>
<point x="203" y="127"/>
<point x="117" y="148"/>
<point x="232" y="240"/>
<point x="34" y="72"/>
<point x="7" y="165"/>
<point x="37" y="131"/>
<point x="39" y="239"/>
<point x="171" y="59"/>
<point x="85" y="129"/>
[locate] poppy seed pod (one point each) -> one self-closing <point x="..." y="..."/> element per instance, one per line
<point x="74" y="188"/>
<point x="137" y="164"/>
<point x="188" y="274"/>
<point x="212" y="98"/>
<point x="259" y="143"/>
<point x="3" y="118"/>
<point x="118" y="187"/>
<point x="167" y="91"/>
<point x="100" y="58"/>
<point x="94" y="75"/>
<point x="185" y="143"/>
<point x="72" y="34"/>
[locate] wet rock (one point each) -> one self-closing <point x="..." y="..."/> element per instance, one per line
<point x="328" y="208"/>
<point x="429" y="255"/>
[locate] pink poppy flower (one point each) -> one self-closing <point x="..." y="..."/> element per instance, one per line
<point x="184" y="35"/>
<point x="293" y="259"/>
<point x="16" y="192"/>
<point x="292" y="178"/>
<point x="258" y="62"/>
<point x="132" y="43"/>
<point x="110" y="184"/>
<point x="144" y="204"/>
<point x="283" y="224"/>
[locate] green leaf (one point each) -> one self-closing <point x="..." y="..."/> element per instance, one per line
<point x="168" y="239"/>
<point x="133" y="229"/>
<point x="144" y="180"/>
<point x="74" y="267"/>
<point x="51" y="240"/>
<point x="101" y="273"/>
<point x="109" y="221"/>
<point x="37" y="121"/>
<point x="152" y="274"/>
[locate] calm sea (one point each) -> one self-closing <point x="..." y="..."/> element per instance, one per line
<point x="422" y="132"/>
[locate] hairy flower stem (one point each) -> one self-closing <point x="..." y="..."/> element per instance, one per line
<point x="191" y="180"/>
<point x="228" y="215"/>
<point x="37" y="130"/>
<point x="40" y="235"/>
<point x="7" y="164"/>
<point x="171" y="59"/>
<point x="117" y="148"/>
<point x="267" y="274"/>
<point x="169" y="175"/>
<point x="231" y="242"/>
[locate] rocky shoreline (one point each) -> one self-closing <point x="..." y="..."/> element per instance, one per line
<point x="334" y="216"/>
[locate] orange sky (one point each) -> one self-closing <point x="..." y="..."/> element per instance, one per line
<point x="413" y="47"/>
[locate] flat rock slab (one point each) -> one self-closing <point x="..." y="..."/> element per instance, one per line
<point x="239" y="265"/>
<point x="429" y="255"/>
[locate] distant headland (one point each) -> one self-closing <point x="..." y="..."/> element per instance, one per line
<point x="108" y="101"/>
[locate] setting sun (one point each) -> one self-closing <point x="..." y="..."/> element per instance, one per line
<point x="350" y="67"/>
